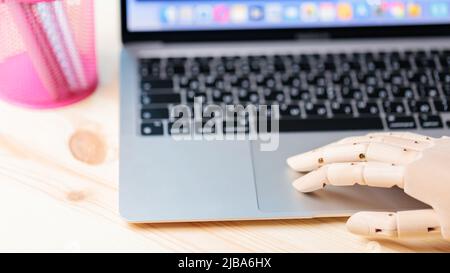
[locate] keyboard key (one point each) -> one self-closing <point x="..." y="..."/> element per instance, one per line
<point x="352" y="93"/>
<point x="300" y="94"/>
<point x="325" y="124"/>
<point x="368" y="79"/>
<point x="446" y="89"/>
<point x="246" y="96"/>
<point x="400" y="64"/>
<point x="291" y="81"/>
<point x="373" y="92"/>
<point x="365" y="108"/>
<point x="395" y="122"/>
<point x="395" y="79"/>
<point x="418" y="77"/>
<point x="350" y="65"/>
<point x="343" y="80"/>
<point x="242" y="82"/>
<point x="150" y="85"/>
<point x="160" y="98"/>
<point x="375" y="65"/>
<point x="441" y="106"/>
<point x="290" y="110"/>
<point x="341" y="109"/>
<point x="430" y="121"/>
<point x="157" y="113"/>
<point x="277" y="96"/>
<point x="269" y="82"/>
<point x="420" y="106"/>
<point x="155" y="128"/>
<point x="315" y="109"/>
<point x="428" y="92"/>
<point x="324" y="93"/>
<point x="317" y="80"/>
<point x="402" y="92"/>
<point x="424" y="62"/>
<point x="394" y="107"/>
<point x="444" y="77"/>
<point x="192" y="96"/>
<point x="225" y="97"/>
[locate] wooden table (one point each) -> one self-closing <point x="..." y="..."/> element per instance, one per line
<point x="59" y="177"/>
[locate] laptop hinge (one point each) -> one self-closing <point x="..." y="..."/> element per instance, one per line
<point x="301" y="36"/>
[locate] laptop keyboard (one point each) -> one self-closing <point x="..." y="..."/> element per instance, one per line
<point x="316" y="92"/>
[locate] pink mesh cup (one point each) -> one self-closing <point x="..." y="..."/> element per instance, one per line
<point x="47" y="52"/>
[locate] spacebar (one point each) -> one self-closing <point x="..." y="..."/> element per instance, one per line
<point x="334" y="124"/>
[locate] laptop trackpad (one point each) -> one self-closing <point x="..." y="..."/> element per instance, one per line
<point x="276" y="194"/>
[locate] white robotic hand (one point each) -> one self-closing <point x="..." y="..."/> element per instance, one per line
<point x="418" y="164"/>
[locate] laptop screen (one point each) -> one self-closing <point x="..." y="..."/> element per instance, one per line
<point x="200" y="15"/>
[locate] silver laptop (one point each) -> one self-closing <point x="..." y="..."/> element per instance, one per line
<point x="318" y="71"/>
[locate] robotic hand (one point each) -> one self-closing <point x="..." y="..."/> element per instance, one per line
<point x="418" y="164"/>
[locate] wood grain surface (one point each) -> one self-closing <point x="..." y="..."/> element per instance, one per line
<point x="59" y="177"/>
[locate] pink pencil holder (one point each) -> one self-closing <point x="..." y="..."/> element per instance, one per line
<point x="47" y="52"/>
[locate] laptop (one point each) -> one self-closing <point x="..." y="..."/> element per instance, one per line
<point x="318" y="71"/>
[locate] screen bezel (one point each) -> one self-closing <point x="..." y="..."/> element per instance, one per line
<point x="279" y="34"/>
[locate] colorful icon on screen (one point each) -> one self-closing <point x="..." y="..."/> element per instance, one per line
<point x="309" y="12"/>
<point x="439" y="9"/>
<point x="344" y="11"/>
<point x="362" y="11"/>
<point x="414" y="10"/>
<point x="221" y="14"/>
<point x="327" y="11"/>
<point x="239" y="14"/>
<point x="274" y="13"/>
<point x="379" y="8"/>
<point x="256" y="13"/>
<point x="397" y="10"/>
<point x="291" y="13"/>
<point x="203" y="14"/>
<point x="186" y="15"/>
<point x="169" y="15"/>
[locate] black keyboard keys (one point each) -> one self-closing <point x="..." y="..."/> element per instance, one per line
<point x="246" y="96"/>
<point x="420" y="106"/>
<point x="274" y="96"/>
<point x="300" y="94"/>
<point x="394" y="107"/>
<point x="418" y="77"/>
<point x="151" y="85"/>
<point x="290" y="111"/>
<point x="375" y="93"/>
<point x="402" y="92"/>
<point x="192" y="96"/>
<point x="156" y="113"/>
<point x="400" y="122"/>
<point x="330" y="124"/>
<point x="352" y="93"/>
<point x="430" y="121"/>
<point x="147" y="99"/>
<point x="441" y="106"/>
<point x="315" y="109"/>
<point x="428" y="92"/>
<point x="222" y="97"/>
<point x="341" y="109"/>
<point x="335" y="91"/>
<point x="368" y="108"/>
<point x="155" y="128"/>
<point x="444" y="77"/>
